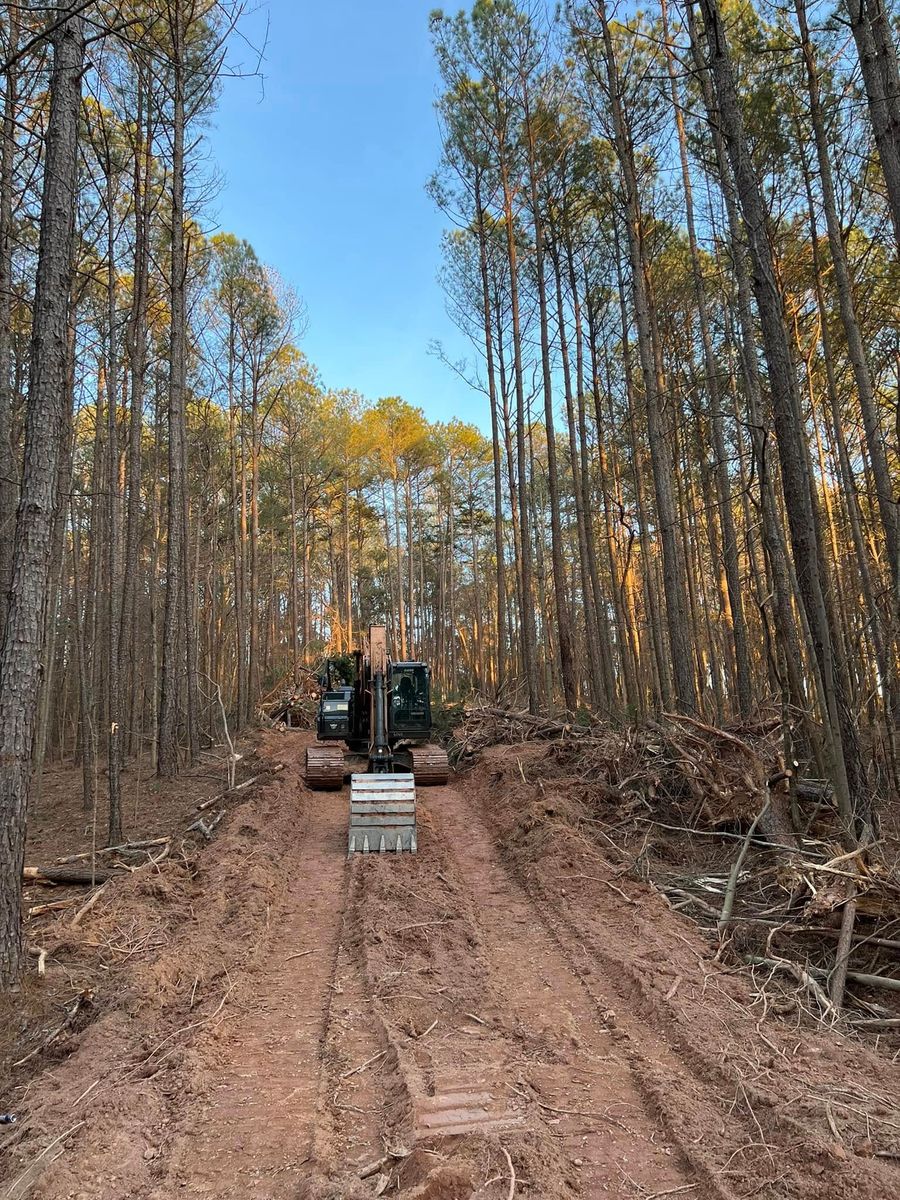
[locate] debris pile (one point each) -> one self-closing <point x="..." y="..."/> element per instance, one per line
<point x="708" y="775"/>
<point x="292" y="704"/>
<point x="715" y="821"/>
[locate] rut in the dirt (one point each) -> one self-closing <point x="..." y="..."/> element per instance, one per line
<point x="251" y="1130"/>
<point x="496" y="1038"/>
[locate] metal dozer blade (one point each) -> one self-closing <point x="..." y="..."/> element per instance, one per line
<point x="382" y="813"/>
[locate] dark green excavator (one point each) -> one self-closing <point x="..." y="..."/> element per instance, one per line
<point x="383" y="718"/>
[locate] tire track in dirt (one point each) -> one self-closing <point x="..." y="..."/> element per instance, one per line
<point x="251" y="1130"/>
<point x="579" y="1079"/>
<point x="674" y="1082"/>
<point x="496" y="1036"/>
<point x="363" y="1102"/>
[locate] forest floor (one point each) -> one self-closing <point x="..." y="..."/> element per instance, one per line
<point x="507" y="1013"/>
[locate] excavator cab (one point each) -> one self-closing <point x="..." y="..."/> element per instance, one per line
<point x="409" y="715"/>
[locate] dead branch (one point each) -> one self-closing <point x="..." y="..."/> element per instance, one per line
<point x="206" y="828"/>
<point x="802" y="976"/>
<point x="82" y="1000"/>
<point x="728" y="902"/>
<point x="362" y="1066"/>
<point x="86" y="908"/>
<point x="512" y="1174"/>
<point x="38" y="910"/>
<point x="842" y="955"/>
<point x="124" y="848"/>
<point x="239" y="788"/>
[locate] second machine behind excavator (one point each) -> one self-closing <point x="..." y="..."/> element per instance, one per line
<point x="384" y="718"/>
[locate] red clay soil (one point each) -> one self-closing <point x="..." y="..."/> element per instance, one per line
<point x="503" y="1014"/>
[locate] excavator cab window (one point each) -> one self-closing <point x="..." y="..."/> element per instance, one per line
<point x="410" y="701"/>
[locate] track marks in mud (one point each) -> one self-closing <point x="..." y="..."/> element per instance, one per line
<point x="733" y="1097"/>
<point x="251" y="1128"/>
<point x="495" y="1034"/>
<point x="571" y="1069"/>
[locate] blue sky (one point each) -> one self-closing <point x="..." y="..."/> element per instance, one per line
<point x="324" y="166"/>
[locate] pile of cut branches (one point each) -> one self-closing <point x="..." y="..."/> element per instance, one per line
<point x="733" y="839"/>
<point x="711" y="776"/>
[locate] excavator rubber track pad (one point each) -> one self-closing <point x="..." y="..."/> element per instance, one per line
<point x="382" y="814"/>
<point x="430" y="765"/>
<point x="324" y="767"/>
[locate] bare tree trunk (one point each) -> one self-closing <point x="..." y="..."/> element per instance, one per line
<point x="563" y="619"/>
<point x="889" y="507"/>
<point x="499" y="549"/>
<point x="113" y="518"/>
<point x="295" y="615"/>
<point x="873" y="33"/>
<point x="22" y="650"/>
<point x="598" y="690"/>
<point x="348" y="576"/>
<point x="236" y="556"/>
<point x="674" y="584"/>
<point x="738" y="627"/>
<point x="8" y="466"/>
<point x="57" y="556"/>
<point x="783" y="578"/>
<point x="86" y="733"/>
<point x="410" y="555"/>
<point x="255" y="436"/>
<point x="527" y="623"/>
<point x="787" y="411"/>
<point x="137" y="353"/>
<point x="174" y="633"/>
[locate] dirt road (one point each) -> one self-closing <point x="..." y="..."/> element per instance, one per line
<point x="472" y="1021"/>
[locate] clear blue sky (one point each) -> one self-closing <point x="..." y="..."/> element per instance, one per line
<point x="325" y="163"/>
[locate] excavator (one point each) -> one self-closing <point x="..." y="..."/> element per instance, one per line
<point x="383" y="717"/>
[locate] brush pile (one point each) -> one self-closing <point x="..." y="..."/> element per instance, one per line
<point x="293" y="704"/>
<point x="714" y="820"/>
<point x="705" y="775"/>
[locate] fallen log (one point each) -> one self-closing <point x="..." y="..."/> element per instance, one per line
<point x="67" y="876"/>
<point x="124" y="848"/>
<point x="875" y="981"/>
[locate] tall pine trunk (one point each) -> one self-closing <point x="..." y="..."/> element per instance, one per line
<point x="174" y="649"/>
<point x="48" y="401"/>
<point x="786" y="406"/>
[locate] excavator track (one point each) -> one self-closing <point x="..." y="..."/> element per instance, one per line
<point x="429" y="764"/>
<point x="325" y="767"/>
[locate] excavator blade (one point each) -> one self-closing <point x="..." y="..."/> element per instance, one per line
<point x="324" y="767"/>
<point x="382" y="814"/>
